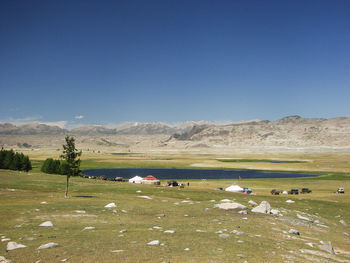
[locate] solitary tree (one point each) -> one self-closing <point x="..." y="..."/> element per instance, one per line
<point x="71" y="156"/>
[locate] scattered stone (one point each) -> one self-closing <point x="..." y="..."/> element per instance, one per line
<point x="185" y="215"/>
<point x="46" y="223"/>
<point x="153" y="243"/>
<point x="64" y="260"/>
<point x="237" y="232"/>
<point x="123" y="231"/>
<point x="5" y="239"/>
<point x="187" y="249"/>
<point x="48" y="245"/>
<point x="240" y="255"/>
<point x="275" y="212"/>
<point x="226" y="200"/>
<point x="251" y="202"/>
<point x="347" y="234"/>
<point x="224" y="235"/>
<point x="117" y="251"/>
<point x="293" y="231"/>
<point x="158" y="228"/>
<point x="264" y="208"/>
<point x="305" y="218"/>
<point x="240" y="241"/>
<point x="200" y="231"/>
<point x="186" y="201"/>
<point x="36" y="210"/>
<point x="110" y="205"/>
<point x="80" y="211"/>
<point x="169" y="231"/>
<point x="4" y="260"/>
<point x="89" y="228"/>
<point x="138" y="191"/>
<point x="212" y="201"/>
<point x="233" y="205"/>
<point x="160" y="215"/>
<point x="14" y="245"/>
<point x="290" y="201"/>
<point x="343" y="222"/>
<point x="243" y="212"/>
<point x="124" y="211"/>
<point x="310" y="244"/>
<point x="43" y="203"/>
<point x="144" y="197"/>
<point x="327" y="246"/>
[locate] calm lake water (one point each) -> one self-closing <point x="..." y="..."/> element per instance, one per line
<point x="191" y="173"/>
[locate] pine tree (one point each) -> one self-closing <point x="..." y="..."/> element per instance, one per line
<point x="71" y="156"/>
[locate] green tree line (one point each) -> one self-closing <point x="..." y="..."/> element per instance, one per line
<point x="51" y="166"/>
<point x="14" y="161"/>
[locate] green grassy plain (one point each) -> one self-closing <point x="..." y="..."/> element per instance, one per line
<point x="195" y="221"/>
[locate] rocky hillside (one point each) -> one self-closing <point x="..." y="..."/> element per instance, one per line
<point x="292" y="131"/>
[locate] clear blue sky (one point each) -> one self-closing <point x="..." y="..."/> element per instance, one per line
<point x="117" y="61"/>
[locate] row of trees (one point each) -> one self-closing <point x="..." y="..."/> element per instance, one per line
<point x="51" y="166"/>
<point x="14" y="161"/>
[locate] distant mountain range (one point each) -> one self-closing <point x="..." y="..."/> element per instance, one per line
<point x="126" y="128"/>
<point x="292" y="132"/>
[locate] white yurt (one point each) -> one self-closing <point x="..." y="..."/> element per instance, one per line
<point x="136" y="180"/>
<point x="234" y="188"/>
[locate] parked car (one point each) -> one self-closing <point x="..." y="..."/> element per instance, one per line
<point x="306" y="191"/>
<point x="247" y="190"/>
<point x="275" y="192"/>
<point x="294" y="191"/>
<point x="340" y="190"/>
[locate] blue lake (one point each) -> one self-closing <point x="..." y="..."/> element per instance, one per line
<point x="183" y="174"/>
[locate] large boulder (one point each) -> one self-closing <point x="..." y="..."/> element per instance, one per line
<point x="233" y="205"/>
<point x="4" y="260"/>
<point x="264" y="208"/>
<point x="14" y="245"/>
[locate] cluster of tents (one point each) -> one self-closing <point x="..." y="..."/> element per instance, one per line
<point x="146" y="180"/>
<point x="238" y="189"/>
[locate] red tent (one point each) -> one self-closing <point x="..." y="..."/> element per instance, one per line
<point x="150" y="180"/>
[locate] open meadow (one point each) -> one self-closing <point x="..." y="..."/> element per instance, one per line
<point x="184" y="221"/>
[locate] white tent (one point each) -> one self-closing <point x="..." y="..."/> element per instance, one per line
<point x="234" y="188"/>
<point x="136" y="180"/>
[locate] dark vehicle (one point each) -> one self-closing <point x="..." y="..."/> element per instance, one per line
<point x="306" y="191"/>
<point x="247" y="190"/>
<point x="340" y="191"/>
<point x="173" y="183"/>
<point x="294" y="191"/>
<point x="275" y="192"/>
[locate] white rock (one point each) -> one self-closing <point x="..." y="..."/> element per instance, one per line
<point x="157" y="227"/>
<point x="138" y="191"/>
<point x="237" y="232"/>
<point x="4" y="260"/>
<point x="5" y="239"/>
<point x="293" y="231"/>
<point x="186" y="249"/>
<point x="144" y="197"/>
<point x="233" y="205"/>
<point x="226" y="200"/>
<point x="310" y="244"/>
<point x="224" y="235"/>
<point x="110" y="205"/>
<point x="264" y="208"/>
<point x="117" y="251"/>
<point x="186" y="201"/>
<point x="290" y="201"/>
<point x="327" y="246"/>
<point x="304" y="218"/>
<point x="275" y="212"/>
<point x="43" y="203"/>
<point x="169" y="231"/>
<point x="153" y="243"/>
<point x="251" y="202"/>
<point x="14" y="245"/>
<point x="46" y="223"/>
<point x="212" y="201"/>
<point x="64" y="260"/>
<point x="243" y="212"/>
<point x="123" y="231"/>
<point x="89" y="228"/>
<point x="200" y="231"/>
<point x="48" y="245"/>
<point x="80" y="211"/>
